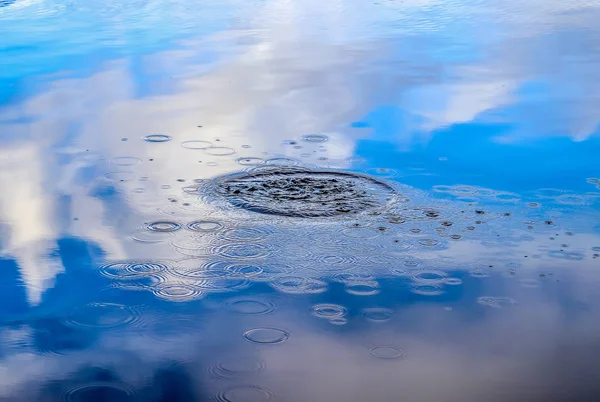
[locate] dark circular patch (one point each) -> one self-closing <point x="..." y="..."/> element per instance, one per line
<point x="298" y="192"/>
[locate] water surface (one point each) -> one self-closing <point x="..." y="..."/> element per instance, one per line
<point x="299" y="201"/>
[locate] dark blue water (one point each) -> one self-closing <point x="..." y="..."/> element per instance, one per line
<point x="299" y="200"/>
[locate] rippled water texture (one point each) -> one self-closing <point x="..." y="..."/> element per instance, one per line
<point x="299" y="201"/>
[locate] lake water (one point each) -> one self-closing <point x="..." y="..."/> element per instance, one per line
<point x="299" y="200"/>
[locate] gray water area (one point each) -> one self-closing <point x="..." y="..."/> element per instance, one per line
<point x="299" y="201"/>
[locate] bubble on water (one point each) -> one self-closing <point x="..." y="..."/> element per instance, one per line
<point x="204" y="226"/>
<point x="299" y="285"/>
<point x="266" y="335"/>
<point x="196" y="144"/>
<point x="328" y="311"/>
<point x="453" y="281"/>
<point x="244" y="251"/>
<point x="236" y="367"/>
<point x="430" y="276"/>
<point x="315" y="138"/>
<point x="387" y="352"/>
<point x="219" y="151"/>
<point x="367" y="288"/>
<point x="120" y="176"/>
<point x="164" y="226"/>
<point x="102" y="316"/>
<point x="175" y="292"/>
<point x="125" y="161"/>
<point x="377" y="314"/>
<point x="105" y="391"/>
<point x="157" y="138"/>
<point x="427" y="290"/>
<point x="250" y="306"/>
<point x="250" y="161"/>
<point x="297" y="192"/>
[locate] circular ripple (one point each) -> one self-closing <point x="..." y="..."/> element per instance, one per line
<point x="328" y="311"/>
<point x="335" y="262"/>
<point x="377" y="314"/>
<point x="219" y="151"/>
<point x="427" y="290"/>
<point x="383" y="172"/>
<point x="164" y="226"/>
<point x="102" y="316"/>
<point x="496" y="302"/>
<point x="338" y="321"/>
<point x="101" y="391"/>
<point x="299" y="285"/>
<point x="131" y="270"/>
<point x="363" y="288"/>
<point x="169" y="328"/>
<point x="204" y="226"/>
<point x="177" y="292"/>
<point x="236" y="367"/>
<point x="245" y="234"/>
<point x="120" y="176"/>
<point x="282" y="162"/>
<point x="428" y="242"/>
<point x="250" y="306"/>
<point x="300" y="192"/>
<point x="243" y="271"/>
<point x="360" y="233"/>
<point x="266" y="335"/>
<point x="244" y="251"/>
<point x="157" y="138"/>
<point x="145" y="236"/>
<point x="125" y="161"/>
<point x="429" y="276"/>
<point x="250" y="161"/>
<point x="453" y="281"/>
<point x="387" y="352"/>
<point x="245" y="393"/>
<point x="315" y="138"/>
<point x="196" y="144"/>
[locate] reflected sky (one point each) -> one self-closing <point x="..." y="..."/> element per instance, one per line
<point x="126" y="275"/>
